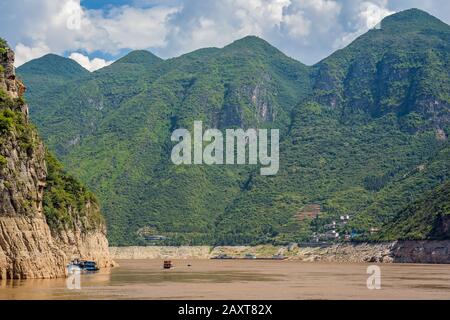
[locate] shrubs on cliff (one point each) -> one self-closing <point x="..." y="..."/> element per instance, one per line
<point x="6" y="123"/>
<point x="67" y="203"/>
<point x="15" y="121"/>
<point x="12" y="121"/>
<point x="3" y="161"/>
<point x="3" y="46"/>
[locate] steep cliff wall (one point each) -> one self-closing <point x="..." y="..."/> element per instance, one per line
<point x="47" y="218"/>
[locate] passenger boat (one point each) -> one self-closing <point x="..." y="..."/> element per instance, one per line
<point x="85" y="265"/>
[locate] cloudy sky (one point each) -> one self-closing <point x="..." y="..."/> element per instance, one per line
<point x="97" y="32"/>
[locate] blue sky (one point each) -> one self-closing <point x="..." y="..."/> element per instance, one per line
<point x="98" y="4"/>
<point x="96" y="32"/>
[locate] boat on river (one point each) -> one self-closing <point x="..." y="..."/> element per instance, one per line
<point x="84" y="265"/>
<point x="167" y="264"/>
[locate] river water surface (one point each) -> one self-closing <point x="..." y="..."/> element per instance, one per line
<point x="241" y="279"/>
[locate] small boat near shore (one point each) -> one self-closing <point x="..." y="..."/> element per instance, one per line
<point x="84" y="265"/>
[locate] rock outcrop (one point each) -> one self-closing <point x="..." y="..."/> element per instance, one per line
<point x="27" y="249"/>
<point x="90" y="245"/>
<point x="30" y="246"/>
<point x="421" y="252"/>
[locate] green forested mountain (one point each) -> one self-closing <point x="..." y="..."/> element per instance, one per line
<point x="364" y="132"/>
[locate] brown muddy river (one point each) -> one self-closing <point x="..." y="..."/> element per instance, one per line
<point x="240" y="279"/>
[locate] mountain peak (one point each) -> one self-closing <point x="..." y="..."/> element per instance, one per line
<point x="52" y="64"/>
<point x="139" y="57"/>
<point x="412" y="20"/>
<point x="250" y="42"/>
<point x="253" y="45"/>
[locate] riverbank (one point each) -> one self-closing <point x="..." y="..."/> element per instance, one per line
<point x="389" y="252"/>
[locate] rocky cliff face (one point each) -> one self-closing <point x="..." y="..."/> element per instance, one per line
<point x="31" y="246"/>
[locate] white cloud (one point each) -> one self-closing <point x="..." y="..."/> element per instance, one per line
<point x="24" y="53"/>
<point x="200" y="24"/>
<point x="89" y="64"/>
<point x="297" y="25"/>
<point x="127" y="27"/>
<point x="314" y="17"/>
<point x="61" y="26"/>
<point x="285" y="23"/>
<point x="371" y="14"/>
<point x="361" y="17"/>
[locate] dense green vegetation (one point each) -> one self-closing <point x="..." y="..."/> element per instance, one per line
<point x="12" y="121"/>
<point x="66" y="201"/>
<point x="121" y="122"/>
<point x="52" y="71"/>
<point x="364" y="133"/>
<point x="427" y="218"/>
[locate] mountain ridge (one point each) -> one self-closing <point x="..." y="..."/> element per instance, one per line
<point x="406" y="19"/>
<point x="55" y="65"/>
<point x="355" y="127"/>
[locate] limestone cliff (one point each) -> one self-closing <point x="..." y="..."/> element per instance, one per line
<point x="47" y="217"/>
